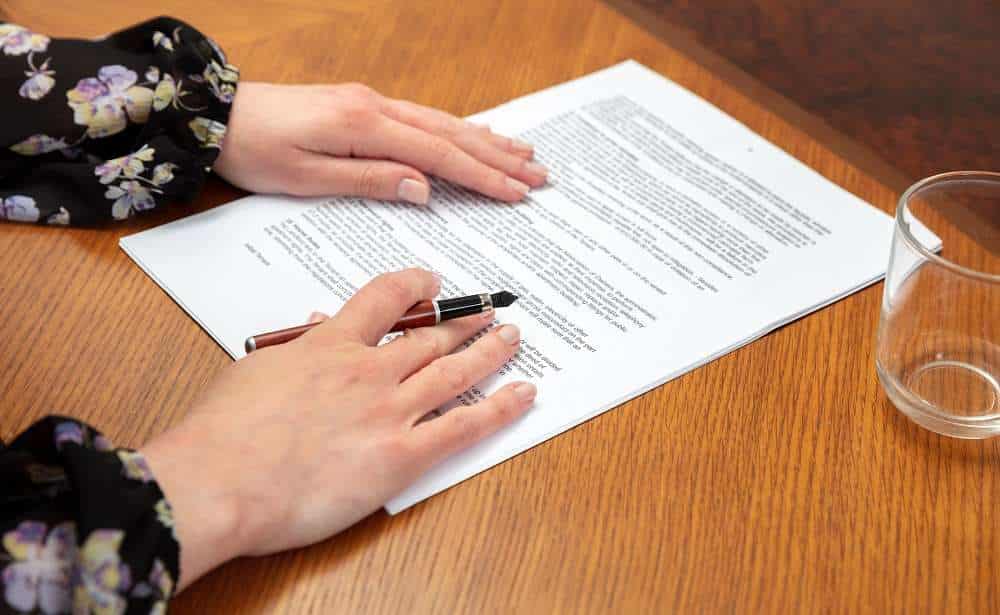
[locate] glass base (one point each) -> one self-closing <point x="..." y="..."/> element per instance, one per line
<point x="976" y="416"/>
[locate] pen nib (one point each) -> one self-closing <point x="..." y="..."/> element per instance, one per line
<point x="503" y="299"/>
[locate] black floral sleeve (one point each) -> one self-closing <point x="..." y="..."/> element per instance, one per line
<point x="97" y="130"/>
<point x="93" y="131"/>
<point x="84" y="526"/>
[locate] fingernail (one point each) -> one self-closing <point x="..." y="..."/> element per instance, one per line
<point x="509" y="333"/>
<point x="413" y="191"/>
<point x="536" y="169"/>
<point x="521" y="146"/>
<point x="519" y="187"/>
<point x="316" y="317"/>
<point x="525" y="391"/>
<point x="487" y="315"/>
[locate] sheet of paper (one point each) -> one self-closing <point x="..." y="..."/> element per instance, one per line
<point x="668" y="235"/>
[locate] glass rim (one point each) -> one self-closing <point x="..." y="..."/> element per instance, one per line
<point x="904" y="226"/>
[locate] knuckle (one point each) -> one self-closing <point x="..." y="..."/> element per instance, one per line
<point x="442" y="154"/>
<point x="508" y="407"/>
<point x="415" y="272"/>
<point x="358" y="90"/>
<point x="367" y="367"/>
<point x="445" y="126"/>
<point x="369" y="182"/>
<point x="354" y="114"/>
<point x="451" y="376"/>
<point x="318" y="379"/>
<point x="396" y="449"/>
<point x="454" y="377"/>
<point x="349" y="375"/>
<point x="362" y="368"/>
<point x="298" y="177"/>
<point x="394" y="287"/>
<point x="427" y="342"/>
<point x="496" y="351"/>
<point x="465" y="427"/>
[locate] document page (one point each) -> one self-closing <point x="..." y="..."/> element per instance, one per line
<point x="668" y="234"/>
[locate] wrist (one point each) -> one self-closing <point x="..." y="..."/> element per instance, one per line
<point x="206" y="510"/>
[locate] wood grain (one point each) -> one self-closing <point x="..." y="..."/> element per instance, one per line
<point x="775" y="479"/>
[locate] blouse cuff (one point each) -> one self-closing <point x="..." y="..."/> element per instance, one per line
<point x="85" y="526"/>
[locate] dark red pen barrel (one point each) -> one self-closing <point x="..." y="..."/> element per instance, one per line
<point x="422" y="314"/>
<point x="279" y="337"/>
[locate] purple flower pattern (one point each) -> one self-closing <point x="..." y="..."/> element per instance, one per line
<point x="159" y="585"/>
<point x="100" y="578"/>
<point x="208" y="132"/>
<point x="68" y="431"/>
<point x="129" y="166"/>
<point x="134" y="466"/>
<point x="71" y="431"/>
<point x="40" y="574"/>
<point x="17" y="40"/>
<point x="19" y="208"/>
<point x="104" y="105"/>
<point x="40" y="80"/>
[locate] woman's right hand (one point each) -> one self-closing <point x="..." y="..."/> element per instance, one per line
<point x="296" y="442"/>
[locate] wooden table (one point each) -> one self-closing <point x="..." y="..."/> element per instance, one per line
<point x="776" y="479"/>
<point x="916" y="80"/>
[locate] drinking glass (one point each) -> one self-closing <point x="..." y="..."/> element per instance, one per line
<point x="938" y="347"/>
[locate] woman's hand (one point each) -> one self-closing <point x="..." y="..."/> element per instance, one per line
<point x="297" y="442"/>
<point x="311" y="140"/>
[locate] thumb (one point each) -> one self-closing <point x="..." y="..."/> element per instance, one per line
<point x="374" y="179"/>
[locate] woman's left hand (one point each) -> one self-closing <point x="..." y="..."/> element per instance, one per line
<point x="311" y="140"/>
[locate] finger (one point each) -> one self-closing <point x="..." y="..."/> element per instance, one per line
<point x="532" y="173"/>
<point x="317" y="317"/>
<point x="472" y="140"/>
<point x="519" y="148"/>
<point x="447" y="125"/>
<point x="463" y="426"/>
<point x="433" y="154"/>
<point x="450" y="376"/>
<point x="374" y="179"/>
<point x="375" y="308"/>
<point x="417" y="348"/>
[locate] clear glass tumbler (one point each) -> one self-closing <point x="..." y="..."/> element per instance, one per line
<point x="938" y="347"/>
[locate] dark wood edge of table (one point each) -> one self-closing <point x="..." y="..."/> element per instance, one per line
<point x="684" y="42"/>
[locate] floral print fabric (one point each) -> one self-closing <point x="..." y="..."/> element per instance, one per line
<point x="95" y="131"/>
<point x="84" y="528"/>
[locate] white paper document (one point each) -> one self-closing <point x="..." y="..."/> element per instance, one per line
<point x="668" y="235"/>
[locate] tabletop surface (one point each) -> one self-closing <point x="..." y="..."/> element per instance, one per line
<point x="916" y="80"/>
<point x="778" y="478"/>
